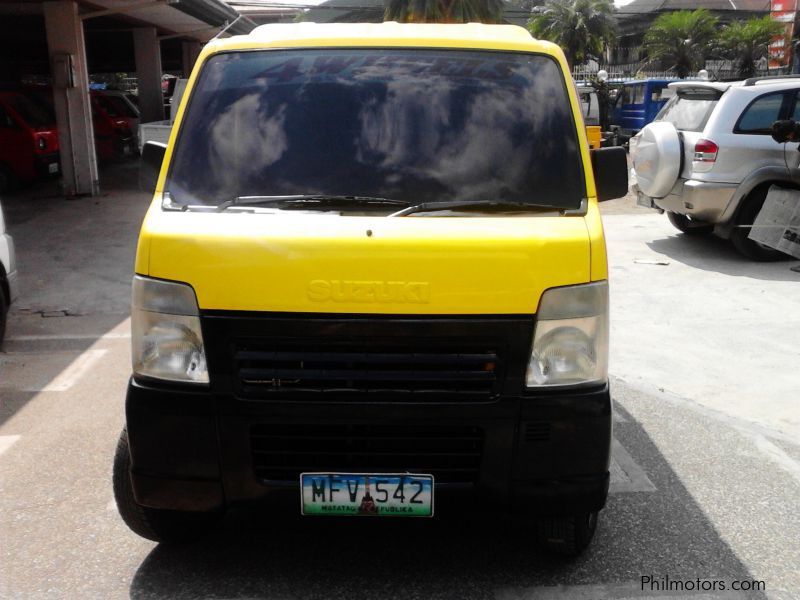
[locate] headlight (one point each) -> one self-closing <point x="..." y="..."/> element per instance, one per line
<point x="165" y="329"/>
<point x="570" y="346"/>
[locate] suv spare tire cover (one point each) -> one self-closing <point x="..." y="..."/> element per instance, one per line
<point x="657" y="160"/>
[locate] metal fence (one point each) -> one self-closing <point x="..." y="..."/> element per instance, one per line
<point x="639" y="71"/>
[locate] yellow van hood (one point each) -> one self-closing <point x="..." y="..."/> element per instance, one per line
<point x="294" y="262"/>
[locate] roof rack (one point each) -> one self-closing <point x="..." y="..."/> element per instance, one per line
<point x="755" y="80"/>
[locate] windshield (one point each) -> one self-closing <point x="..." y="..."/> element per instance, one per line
<point x="118" y="106"/>
<point x="107" y="105"/>
<point x="412" y="125"/>
<point x="33" y="114"/>
<point x="689" y="112"/>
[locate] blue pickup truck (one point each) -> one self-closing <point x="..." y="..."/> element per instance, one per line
<point x="636" y="104"/>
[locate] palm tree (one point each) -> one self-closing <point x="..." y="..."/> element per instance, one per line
<point x="682" y="40"/>
<point x="444" y="11"/>
<point x="582" y="28"/>
<point x="745" y="42"/>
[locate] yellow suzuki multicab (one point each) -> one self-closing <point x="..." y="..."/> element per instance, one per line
<point x="373" y="277"/>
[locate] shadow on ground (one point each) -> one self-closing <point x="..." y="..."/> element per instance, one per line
<point x="75" y="259"/>
<point x="711" y="253"/>
<point x="258" y="554"/>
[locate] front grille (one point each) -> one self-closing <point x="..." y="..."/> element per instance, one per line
<point x="389" y="372"/>
<point x="537" y="431"/>
<point x="287" y="357"/>
<point x="452" y="454"/>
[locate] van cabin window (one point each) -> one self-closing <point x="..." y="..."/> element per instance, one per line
<point x="637" y="94"/>
<point x="411" y="125"/>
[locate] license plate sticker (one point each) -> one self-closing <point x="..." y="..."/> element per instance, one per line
<point x="361" y="494"/>
<point x="52" y="168"/>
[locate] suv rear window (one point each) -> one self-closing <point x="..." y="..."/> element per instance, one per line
<point x="414" y="125"/>
<point x="689" y="111"/>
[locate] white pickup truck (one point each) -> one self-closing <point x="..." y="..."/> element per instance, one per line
<point x="158" y="131"/>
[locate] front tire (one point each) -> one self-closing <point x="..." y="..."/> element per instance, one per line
<point x="744" y="220"/>
<point x="568" y="536"/>
<point x="151" y="523"/>
<point x="688" y="225"/>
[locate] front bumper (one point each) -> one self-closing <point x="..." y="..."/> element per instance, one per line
<point x="195" y="450"/>
<point x="439" y="395"/>
<point x="47" y="165"/>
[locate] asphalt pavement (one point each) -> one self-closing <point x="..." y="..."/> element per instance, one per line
<point x="706" y="460"/>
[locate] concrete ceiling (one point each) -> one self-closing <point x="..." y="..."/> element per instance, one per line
<point x="170" y="17"/>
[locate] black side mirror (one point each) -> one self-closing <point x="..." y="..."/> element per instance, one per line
<point x="785" y="131"/>
<point x="610" y="172"/>
<point x="150" y="165"/>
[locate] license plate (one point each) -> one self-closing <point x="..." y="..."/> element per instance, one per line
<point x="52" y="168"/>
<point x="361" y="494"/>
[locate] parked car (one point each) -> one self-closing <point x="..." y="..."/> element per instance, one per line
<point x="113" y="123"/>
<point x="345" y="284"/>
<point x="8" y="275"/>
<point x="636" y="104"/>
<point x="133" y="99"/>
<point x="709" y="158"/>
<point x="126" y="108"/>
<point x="28" y="141"/>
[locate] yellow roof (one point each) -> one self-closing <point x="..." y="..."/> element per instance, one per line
<point x="471" y="35"/>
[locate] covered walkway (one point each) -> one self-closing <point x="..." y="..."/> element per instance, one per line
<point x="60" y="42"/>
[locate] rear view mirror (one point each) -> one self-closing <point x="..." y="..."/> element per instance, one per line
<point x="150" y="165"/>
<point x="610" y="172"/>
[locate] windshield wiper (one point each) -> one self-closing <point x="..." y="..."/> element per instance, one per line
<point x="310" y="201"/>
<point x="495" y="204"/>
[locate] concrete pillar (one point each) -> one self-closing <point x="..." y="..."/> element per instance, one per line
<point x="71" y="97"/>
<point x="191" y="50"/>
<point x="147" y="51"/>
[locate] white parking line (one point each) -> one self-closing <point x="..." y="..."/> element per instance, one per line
<point x="73" y="372"/>
<point x="626" y="475"/>
<point x="778" y="456"/>
<point x="6" y="441"/>
<point x="68" y="336"/>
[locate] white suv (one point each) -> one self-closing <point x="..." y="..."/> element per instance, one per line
<point x="709" y="159"/>
<point x="8" y="275"/>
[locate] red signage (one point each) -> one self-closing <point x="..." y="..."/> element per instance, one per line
<point x="782" y="11"/>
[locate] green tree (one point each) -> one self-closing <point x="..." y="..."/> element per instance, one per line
<point x="745" y="42"/>
<point x="444" y="11"/>
<point x="682" y="40"/>
<point x="583" y="28"/>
